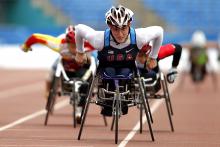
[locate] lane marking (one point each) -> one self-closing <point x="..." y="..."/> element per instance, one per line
<point x="130" y="135"/>
<point x="59" y="105"/>
<point x="20" y="90"/>
<point x="137" y="126"/>
<point x="65" y="102"/>
<point x="154" y="107"/>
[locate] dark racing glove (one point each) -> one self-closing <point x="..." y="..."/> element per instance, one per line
<point x="171" y="75"/>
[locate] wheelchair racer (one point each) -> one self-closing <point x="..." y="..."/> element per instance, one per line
<point x="66" y="47"/>
<point x="167" y="50"/>
<point x="119" y="44"/>
<point x="198" y="56"/>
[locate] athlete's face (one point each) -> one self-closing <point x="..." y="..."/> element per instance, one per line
<point x="120" y="34"/>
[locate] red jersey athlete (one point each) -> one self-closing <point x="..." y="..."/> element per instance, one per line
<point x="66" y="47"/>
<point x="164" y="51"/>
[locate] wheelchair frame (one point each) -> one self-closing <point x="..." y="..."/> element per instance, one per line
<point x="165" y="94"/>
<point x="60" y="77"/>
<point x="117" y="101"/>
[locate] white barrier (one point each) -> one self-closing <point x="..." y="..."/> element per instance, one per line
<point x="42" y="57"/>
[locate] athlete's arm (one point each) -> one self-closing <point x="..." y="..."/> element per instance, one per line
<point x="91" y="70"/>
<point x="47" y="40"/>
<point x="95" y="38"/>
<point x="152" y="34"/>
<point x="169" y="50"/>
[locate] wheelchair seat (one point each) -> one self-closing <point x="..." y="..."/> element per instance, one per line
<point x="107" y="89"/>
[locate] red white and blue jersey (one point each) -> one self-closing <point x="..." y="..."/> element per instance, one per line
<point x="152" y="34"/>
<point x="113" y="57"/>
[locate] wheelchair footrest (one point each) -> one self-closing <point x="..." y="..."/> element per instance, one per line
<point x="132" y="104"/>
<point x="102" y="104"/>
<point x="156" y="96"/>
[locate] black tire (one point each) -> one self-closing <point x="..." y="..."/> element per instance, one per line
<point x="73" y="102"/>
<point x="141" y="120"/>
<point x="145" y="107"/>
<point x="116" y="114"/>
<point x="113" y="122"/>
<point x="116" y="121"/>
<point x="167" y="105"/>
<point x="168" y="96"/>
<point x="51" y="99"/>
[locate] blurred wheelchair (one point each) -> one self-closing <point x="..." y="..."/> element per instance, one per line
<point x="115" y="94"/>
<point x="65" y="84"/>
<point x="198" y="60"/>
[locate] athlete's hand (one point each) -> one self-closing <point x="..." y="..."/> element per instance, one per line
<point x="151" y="63"/>
<point x="24" y="48"/>
<point x="171" y="75"/>
<point x="80" y="58"/>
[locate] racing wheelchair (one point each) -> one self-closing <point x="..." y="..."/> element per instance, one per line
<point x="117" y="93"/>
<point x="198" y="60"/>
<point x="63" y="85"/>
<point x="152" y="83"/>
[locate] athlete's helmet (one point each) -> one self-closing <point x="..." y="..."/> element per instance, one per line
<point x="198" y="39"/>
<point x="118" y="16"/>
<point x="70" y="34"/>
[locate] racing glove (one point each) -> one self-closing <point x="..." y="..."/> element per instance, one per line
<point x="171" y="75"/>
<point x="24" y="48"/>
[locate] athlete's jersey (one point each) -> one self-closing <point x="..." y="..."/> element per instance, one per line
<point x="96" y="38"/>
<point x="124" y="57"/>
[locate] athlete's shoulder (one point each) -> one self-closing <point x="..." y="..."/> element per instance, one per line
<point x="83" y="27"/>
<point x="150" y="29"/>
<point x="89" y="32"/>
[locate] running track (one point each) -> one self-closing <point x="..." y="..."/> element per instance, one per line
<point x="196" y="117"/>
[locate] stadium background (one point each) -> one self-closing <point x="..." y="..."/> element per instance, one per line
<point x="20" y="18"/>
<point x="196" y="118"/>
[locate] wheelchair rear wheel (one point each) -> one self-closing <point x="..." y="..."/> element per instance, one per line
<point x="51" y="99"/>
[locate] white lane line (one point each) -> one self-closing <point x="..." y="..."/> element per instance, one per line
<point x="59" y="105"/>
<point x="153" y="108"/>
<point x="20" y="90"/>
<point x="137" y="126"/>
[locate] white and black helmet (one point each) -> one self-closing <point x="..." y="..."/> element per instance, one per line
<point x="199" y="39"/>
<point x="118" y="16"/>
